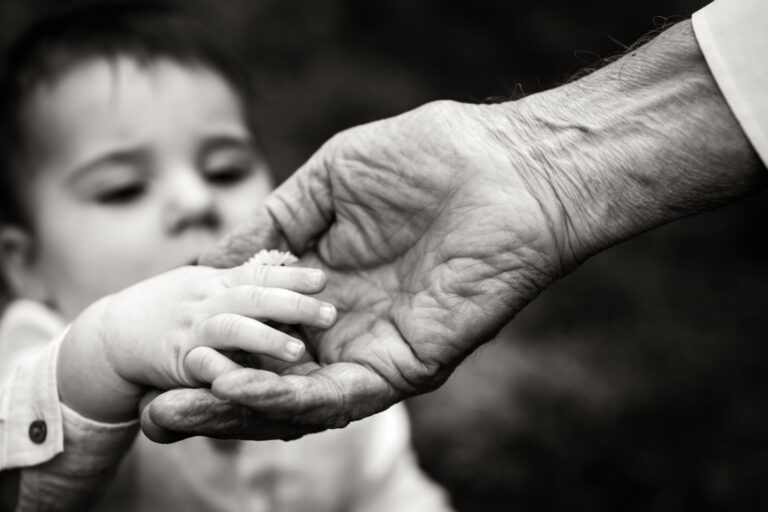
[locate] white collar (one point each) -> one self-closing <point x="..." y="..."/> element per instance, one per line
<point x="26" y="325"/>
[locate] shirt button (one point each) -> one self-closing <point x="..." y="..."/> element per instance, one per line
<point x="38" y="431"/>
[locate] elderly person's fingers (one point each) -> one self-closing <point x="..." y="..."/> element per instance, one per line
<point x="293" y="215"/>
<point x="146" y="399"/>
<point x="180" y="413"/>
<point x="204" y="364"/>
<point x="260" y="231"/>
<point x="330" y="396"/>
<point x="151" y="430"/>
<point x="302" y="207"/>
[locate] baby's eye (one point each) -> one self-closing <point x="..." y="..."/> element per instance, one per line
<point x="225" y="176"/>
<point x="121" y="195"/>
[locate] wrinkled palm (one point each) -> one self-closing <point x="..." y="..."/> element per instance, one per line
<point x="432" y="241"/>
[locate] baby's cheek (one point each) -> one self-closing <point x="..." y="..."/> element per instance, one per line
<point x="83" y="282"/>
<point x="89" y="272"/>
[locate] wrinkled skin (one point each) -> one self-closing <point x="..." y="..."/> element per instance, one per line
<point x="427" y="258"/>
<point x="437" y="226"/>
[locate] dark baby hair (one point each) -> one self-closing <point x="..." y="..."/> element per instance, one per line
<point x="143" y="31"/>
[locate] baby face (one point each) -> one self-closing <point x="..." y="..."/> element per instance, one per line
<point x="138" y="168"/>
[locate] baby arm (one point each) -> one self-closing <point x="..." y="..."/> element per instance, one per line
<point x="166" y="332"/>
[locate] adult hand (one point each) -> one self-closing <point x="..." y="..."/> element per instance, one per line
<point x="437" y="226"/>
<point x="422" y="266"/>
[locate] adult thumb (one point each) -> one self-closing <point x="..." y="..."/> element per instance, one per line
<point x="293" y="216"/>
<point x="257" y="232"/>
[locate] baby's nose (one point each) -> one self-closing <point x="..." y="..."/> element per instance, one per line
<point x="191" y="203"/>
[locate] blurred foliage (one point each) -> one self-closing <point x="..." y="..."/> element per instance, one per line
<point x="636" y="383"/>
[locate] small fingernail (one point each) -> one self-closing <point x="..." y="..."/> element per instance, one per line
<point x="315" y="277"/>
<point x="294" y="348"/>
<point x="328" y="313"/>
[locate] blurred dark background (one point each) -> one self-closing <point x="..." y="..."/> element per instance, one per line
<point x="636" y="383"/>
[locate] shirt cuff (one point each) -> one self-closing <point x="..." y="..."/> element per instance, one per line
<point x="74" y="479"/>
<point x="733" y="36"/>
<point x="35" y="427"/>
<point x="92" y="447"/>
<point x="30" y="415"/>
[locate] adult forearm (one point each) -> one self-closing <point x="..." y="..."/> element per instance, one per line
<point x="440" y="224"/>
<point x="644" y="141"/>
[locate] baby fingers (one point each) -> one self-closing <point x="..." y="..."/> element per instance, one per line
<point x="204" y="364"/>
<point x="298" y="279"/>
<point x="231" y="331"/>
<point x="276" y="304"/>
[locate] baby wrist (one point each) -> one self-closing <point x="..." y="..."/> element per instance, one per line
<point x="87" y="382"/>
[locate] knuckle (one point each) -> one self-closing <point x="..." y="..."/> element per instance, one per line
<point x="255" y="294"/>
<point x="337" y="421"/>
<point x="259" y="273"/>
<point x="291" y="275"/>
<point x="199" y="293"/>
<point x="205" y="329"/>
<point x="437" y="107"/>
<point x="227" y="276"/>
<point x="202" y="356"/>
<point x="272" y="338"/>
<point x="192" y="363"/>
<point x="300" y="303"/>
<point x="223" y="326"/>
<point x="338" y="139"/>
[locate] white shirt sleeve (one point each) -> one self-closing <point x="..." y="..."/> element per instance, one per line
<point x="733" y="36"/>
<point x="64" y="458"/>
<point x="30" y="416"/>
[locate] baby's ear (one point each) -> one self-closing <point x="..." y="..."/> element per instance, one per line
<point x="17" y="263"/>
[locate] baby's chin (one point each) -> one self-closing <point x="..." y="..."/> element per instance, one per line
<point x="181" y="263"/>
<point x="190" y="262"/>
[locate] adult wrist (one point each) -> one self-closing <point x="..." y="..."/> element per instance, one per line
<point x="643" y="141"/>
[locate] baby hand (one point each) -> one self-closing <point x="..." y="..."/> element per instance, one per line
<point x="167" y="331"/>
